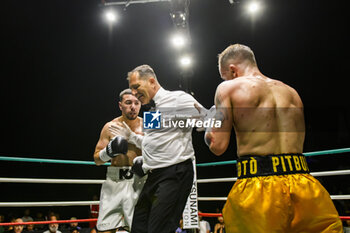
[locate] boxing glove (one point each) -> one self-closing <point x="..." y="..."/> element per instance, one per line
<point x="207" y="137"/>
<point x="118" y="145"/>
<point x="137" y="166"/>
<point x="205" y="114"/>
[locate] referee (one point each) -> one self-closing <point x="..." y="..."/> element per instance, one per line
<point x="167" y="155"/>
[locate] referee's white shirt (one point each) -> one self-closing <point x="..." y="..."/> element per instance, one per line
<point x="172" y="145"/>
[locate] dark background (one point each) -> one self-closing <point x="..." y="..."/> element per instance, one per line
<point x="63" y="68"/>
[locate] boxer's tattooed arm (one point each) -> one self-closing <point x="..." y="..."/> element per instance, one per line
<point x="221" y="112"/>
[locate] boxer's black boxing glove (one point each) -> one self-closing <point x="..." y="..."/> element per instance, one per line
<point x="118" y="145"/>
<point x="137" y="166"/>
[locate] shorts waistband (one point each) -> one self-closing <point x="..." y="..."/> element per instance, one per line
<point x="119" y="173"/>
<point x="270" y="165"/>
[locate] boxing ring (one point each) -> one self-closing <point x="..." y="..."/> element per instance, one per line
<point x="98" y="182"/>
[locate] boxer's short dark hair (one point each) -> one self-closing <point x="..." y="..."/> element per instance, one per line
<point x="124" y="92"/>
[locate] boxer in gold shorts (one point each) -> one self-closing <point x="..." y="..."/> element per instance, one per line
<point x="274" y="191"/>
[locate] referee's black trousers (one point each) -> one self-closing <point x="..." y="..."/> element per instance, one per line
<point x="163" y="199"/>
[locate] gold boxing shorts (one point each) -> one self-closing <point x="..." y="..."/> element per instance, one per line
<point x="276" y="194"/>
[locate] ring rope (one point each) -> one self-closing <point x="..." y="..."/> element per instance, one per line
<point x="48" y="203"/>
<point x="49" y="181"/>
<point x="81" y="203"/>
<point x="84" y="203"/>
<point x="76" y="181"/>
<point x="333" y="197"/>
<point x="315" y="174"/>
<point x="48" y="222"/>
<point x="215" y="215"/>
<point x="323" y="152"/>
<point x="38" y="160"/>
<point x="210" y="215"/>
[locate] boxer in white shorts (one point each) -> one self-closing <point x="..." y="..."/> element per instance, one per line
<point x="119" y="193"/>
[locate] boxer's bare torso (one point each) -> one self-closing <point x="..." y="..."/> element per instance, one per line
<point x="267" y="115"/>
<point x="120" y="160"/>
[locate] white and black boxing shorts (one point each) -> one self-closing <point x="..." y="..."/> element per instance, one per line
<point x="119" y="194"/>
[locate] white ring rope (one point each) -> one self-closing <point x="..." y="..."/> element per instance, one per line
<point x="212" y="198"/>
<point x="49" y="181"/>
<point x="85" y="181"/>
<point x="333" y="197"/>
<point x="331" y="173"/>
<point x="315" y="174"/>
<point x="75" y="181"/>
<point x="48" y="203"/>
<point x="340" y="197"/>
<point x="85" y="203"/>
<point x="215" y="180"/>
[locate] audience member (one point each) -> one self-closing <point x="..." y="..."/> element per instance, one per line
<point x="74" y="225"/>
<point x="29" y="228"/>
<point x="39" y="217"/>
<point x="53" y="227"/>
<point x="346" y="225"/>
<point x="94" y="209"/>
<point x="2" y="219"/>
<point x="10" y="228"/>
<point x="18" y="228"/>
<point x="26" y="217"/>
<point x="220" y="226"/>
<point x="180" y="228"/>
<point x="74" y="230"/>
<point x="204" y="226"/>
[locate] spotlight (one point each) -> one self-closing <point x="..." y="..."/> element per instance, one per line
<point x="110" y="16"/>
<point x="185" y="61"/>
<point x="253" y="7"/>
<point x="178" y="40"/>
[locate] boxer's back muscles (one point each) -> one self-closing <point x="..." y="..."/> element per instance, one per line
<point x="267" y="115"/>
